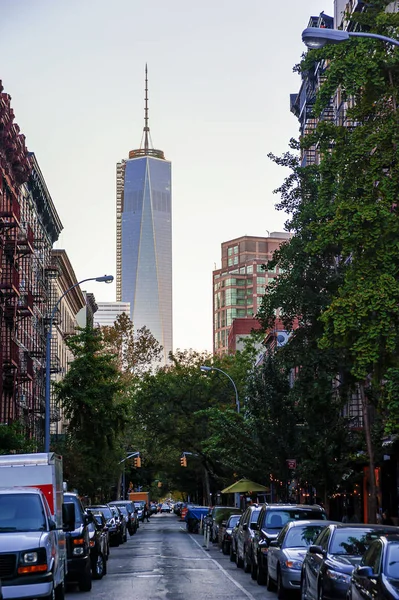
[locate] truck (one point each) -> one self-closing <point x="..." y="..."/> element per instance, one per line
<point x="32" y="540"/>
<point x="140" y="497"/>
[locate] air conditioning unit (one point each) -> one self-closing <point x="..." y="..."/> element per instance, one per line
<point x="282" y="338"/>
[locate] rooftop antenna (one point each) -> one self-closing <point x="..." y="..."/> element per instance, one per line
<point x="146" y="128"/>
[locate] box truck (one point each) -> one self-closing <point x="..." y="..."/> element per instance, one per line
<point x="32" y="540"/>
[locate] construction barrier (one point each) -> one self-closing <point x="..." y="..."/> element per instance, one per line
<point x="184" y="511"/>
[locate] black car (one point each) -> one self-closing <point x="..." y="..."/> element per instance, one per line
<point x="113" y="526"/>
<point x="78" y="543"/>
<point x="216" y="515"/>
<point x="244" y="540"/>
<point x="102" y="523"/>
<point x="271" y="520"/>
<point x="225" y="533"/>
<point x="98" y="549"/>
<point x="377" y="576"/>
<point x="328" y="564"/>
<point x="121" y="523"/>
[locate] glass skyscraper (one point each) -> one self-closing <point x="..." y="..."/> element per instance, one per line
<point x="144" y="239"/>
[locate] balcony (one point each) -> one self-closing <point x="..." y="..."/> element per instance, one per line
<point x="25" y="239"/>
<point x="25" y="304"/>
<point x="9" y="284"/>
<point x="10" y="212"/>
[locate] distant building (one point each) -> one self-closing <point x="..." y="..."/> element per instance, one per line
<point x="238" y="287"/>
<point x="85" y="317"/>
<point x="108" y="312"/>
<point x="144" y="238"/>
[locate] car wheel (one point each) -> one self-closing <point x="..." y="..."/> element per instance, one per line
<point x="261" y="576"/>
<point x="304" y="589"/>
<point x="239" y="561"/>
<point x="98" y="567"/>
<point x="225" y="548"/>
<point x="254" y="570"/>
<point x="232" y="553"/>
<point x="60" y="592"/>
<point x="269" y="582"/>
<point x="280" y="588"/>
<point x="85" y="582"/>
<point x="246" y="563"/>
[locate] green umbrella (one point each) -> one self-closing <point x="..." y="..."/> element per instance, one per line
<point x="245" y="485"/>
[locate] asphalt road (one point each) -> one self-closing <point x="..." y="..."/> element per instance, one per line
<point x="164" y="562"/>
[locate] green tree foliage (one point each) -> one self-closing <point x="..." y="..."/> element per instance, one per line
<point x="91" y="395"/>
<point x="136" y="351"/>
<point x="13" y="439"/>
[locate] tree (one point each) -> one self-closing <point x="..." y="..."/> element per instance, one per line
<point x="136" y="351"/>
<point x="91" y="395"/>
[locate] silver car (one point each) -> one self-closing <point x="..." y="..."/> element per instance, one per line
<point x="287" y="552"/>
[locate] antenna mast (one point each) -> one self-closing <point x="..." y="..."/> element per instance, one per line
<point x="146" y="128"/>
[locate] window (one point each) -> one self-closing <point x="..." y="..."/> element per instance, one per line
<point x="242" y="270"/>
<point x="236" y="260"/>
<point x="230" y="252"/>
<point x="260" y="289"/>
<point x="260" y="269"/>
<point x="261" y="280"/>
<point x="250" y="269"/>
<point x="230" y="262"/>
<point x="372" y="557"/>
<point x="235" y="249"/>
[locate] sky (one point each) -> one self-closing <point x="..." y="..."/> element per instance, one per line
<point x="220" y="75"/>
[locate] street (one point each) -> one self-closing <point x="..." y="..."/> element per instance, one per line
<point x="164" y="562"/>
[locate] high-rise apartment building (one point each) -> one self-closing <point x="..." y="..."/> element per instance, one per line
<point x="238" y="287"/>
<point x="108" y="312"/>
<point x="144" y="237"/>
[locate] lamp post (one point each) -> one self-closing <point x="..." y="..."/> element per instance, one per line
<point x="104" y="279"/>
<point x="317" y="37"/>
<point x="205" y="369"/>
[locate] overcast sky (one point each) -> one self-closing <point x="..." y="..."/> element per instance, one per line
<point x="220" y="75"/>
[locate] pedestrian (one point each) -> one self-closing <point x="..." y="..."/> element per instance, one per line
<point x="386" y="519"/>
<point x="146" y="513"/>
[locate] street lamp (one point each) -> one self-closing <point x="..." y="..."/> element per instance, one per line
<point x="205" y="369"/>
<point x="103" y="279"/>
<point x="317" y="37"/>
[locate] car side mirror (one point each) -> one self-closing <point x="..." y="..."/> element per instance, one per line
<point x="364" y="572"/>
<point x="245" y="527"/>
<point x="313" y="549"/>
<point x="274" y="544"/>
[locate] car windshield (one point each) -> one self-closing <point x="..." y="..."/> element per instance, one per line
<point x="353" y="542"/>
<point x="106" y="512"/>
<point x="21" y="512"/>
<point x="274" y="520"/>
<point x="123" y="510"/>
<point x="392" y="563"/>
<point x="233" y="520"/>
<point x="301" y="536"/>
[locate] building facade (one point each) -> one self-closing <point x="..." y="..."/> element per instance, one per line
<point x="240" y="284"/>
<point x="108" y="312"/>
<point x="65" y="324"/>
<point x="144" y="238"/>
<point x="29" y="225"/>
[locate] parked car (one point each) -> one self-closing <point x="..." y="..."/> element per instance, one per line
<point x="121" y="522"/>
<point x="216" y="515"/>
<point x="287" y="552"/>
<point x="113" y="527"/>
<point x="98" y="548"/>
<point x="233" y="541"/>
<point x="102" y="523"/>
<point x="244" y="541"/>
<point x="133" y="522"/>
<point x="225" y="532"/>
<point x="139" y="509"/>
<point x="329" y="562"/>
<point x="271" y="520"/>
<point x="78" y="543"/>
<point x="377" y="576"/>
<point x="165" y="508"/>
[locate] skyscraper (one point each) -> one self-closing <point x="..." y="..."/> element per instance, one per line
<point x="144" y="237"/>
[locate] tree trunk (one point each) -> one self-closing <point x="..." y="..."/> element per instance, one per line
<point x="373" y="491"/>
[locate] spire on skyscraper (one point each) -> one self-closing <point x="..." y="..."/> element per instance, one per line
<point x="146" y="146"/>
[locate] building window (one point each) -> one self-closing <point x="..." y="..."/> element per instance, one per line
<point x="261" y="280"/>
<point x="235" y="249"/>
<point x="250" y="269"/>
<point x="260" y="269"/>
<point x="236" y="260"/>
<point x="230" y="252"/>
<point x="230" y="262"/>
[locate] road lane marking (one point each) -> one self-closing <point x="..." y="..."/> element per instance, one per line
<point x="240" y="587"/>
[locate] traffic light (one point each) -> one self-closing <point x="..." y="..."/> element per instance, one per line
<point x="183" y="461"/>
<point x="137" y="462"/>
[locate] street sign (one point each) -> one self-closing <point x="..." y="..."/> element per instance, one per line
<point x="291" y="463"/>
